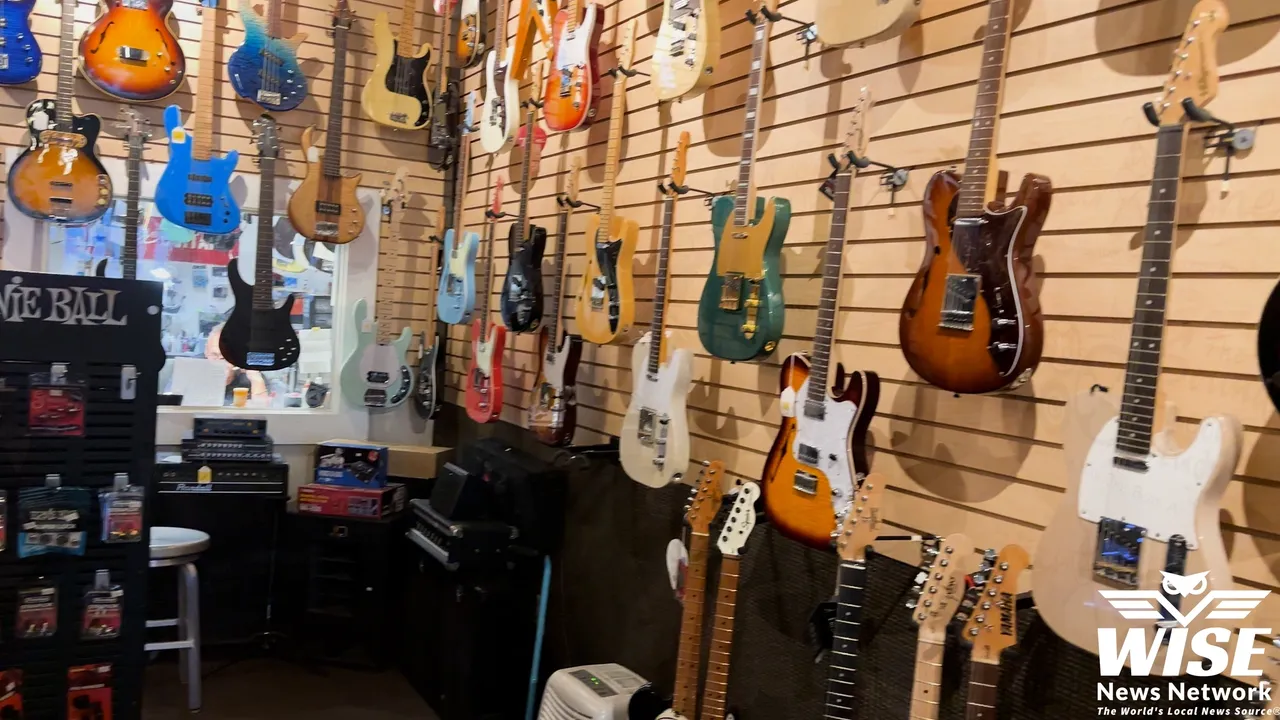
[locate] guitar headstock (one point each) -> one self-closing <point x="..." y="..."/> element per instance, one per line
<point x="764" y="12"/>
<point x="943" y="588"/>
<point x="977" y="581"/>
<point x="343" y="17"/>
<point x="535" y="90"/>
<point x="860" y="521"/>
<point x="268" y="136"/>
<point x="134" y="127"/>
<point x="571" y="185"/>
<point x="496" y="206"/>
<point x="704" y="501"/>
<point x="676" y="178"/>
<point x="625" y="52"/>
<point x="858" y="138"/>
<point x="1194" y="74"/>
<point x="443" y="6"/>
<point x="439" y="226"/>
<point x="742" y="518"/>
<point x="993" y="626"/>
<point x="394" y="193"/>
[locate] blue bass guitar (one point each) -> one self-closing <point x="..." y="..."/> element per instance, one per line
<point x="456" y="291"/>
<point x="195" y="192"/>
<point x="264" y="69"/>
<point x="20" y="56"/>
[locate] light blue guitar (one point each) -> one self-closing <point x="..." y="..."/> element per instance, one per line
<point x="194" y="191"/>
<point x="456" y="291"/>
<point x="377" y="375"/>
<point x="265" y="68"/>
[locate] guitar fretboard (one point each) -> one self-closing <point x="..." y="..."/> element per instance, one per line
<point x="617" y="117"/>
<point x="133" y="195"/>
<point x="1137" y="408"/>
<point x="684" y="698"/>
<point x="928" y="679"/>
<point x="660" y="287"/>
<point x="843" y="665"/>
<point x="716" y="687"/>
<point x="263" y="273"/>
<point x="202" y="136"/>
<point x="832" y="266"/>
<point x="553" y="329"/>
<point x="744" y="199"/>
<point x="500" y="46"/>
<point x="530" y="147"/>
<point x="273" y="18"/>
<point x="388" y="284"/>
<point x="333" y="137"/>
<point x="977" y="187"/>
<point x="984" y="685"/>
<point x="66" y="66"/>
<point x="404" y="42"/>
<point x="487" y="288"/>
<point x="460" y="187"/>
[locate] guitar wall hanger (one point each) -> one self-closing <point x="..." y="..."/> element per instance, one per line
<point x="489" y="213"/>
<point x="892" y="177"/>
<point x="807" y="35"/>
<point x="1223" y="135"/>
<point x="582" y="455"/>
<point x="563" y="201"/>
<point x="707" y="196"/>
<point x="628" y="72"/>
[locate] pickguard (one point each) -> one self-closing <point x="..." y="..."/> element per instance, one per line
<point x="830" y="437"/>
<point x="995" y="250"/>
<point x="607" y="258"/>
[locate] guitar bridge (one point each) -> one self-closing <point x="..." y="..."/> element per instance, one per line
<point x="731" y="292"/>
<point x="599" y="288"/>
<point x="326" y="229"/>
<point x="259" y="359"/>
<point x="1117" y="553"/>
<point x="133" y="54"/>
<point x="961" y="294"/>
<point x="652" y="432"/>
<point x="269" y="97"/>
<point x="375" y="398"/>
<point x="753" y="311"/>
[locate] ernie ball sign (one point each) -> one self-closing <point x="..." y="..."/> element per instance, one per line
<point x="62" y="299"/>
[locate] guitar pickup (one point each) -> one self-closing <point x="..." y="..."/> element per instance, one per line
<point x="377" y="377"/>
<point x="399" y="117"/>
<point x="959" y="298"/>
<point x="259" y="359"/>
<point x="192" y="177"/>
<point x="807" y="454"/>
<point x="804" y="482"/>
<point x="453" y="284"/>
<point x="375" y="398"/>
<point x="326" y="229"/>
<point x="198" y="218"/>
<point x="60" y="185"/>
<point x="133" y="54"/>
<point x="678" y="25"/>
<point x="1118" y="552"/>
<point x="731" y="292"/>
<point x="328" y="208"/>
<point x="269" y="97"/>
<point x="135" y="4"/>
<point x="197" y="200"/>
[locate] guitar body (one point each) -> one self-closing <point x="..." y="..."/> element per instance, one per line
<point x="264" y="58"/>
<point x="866" y="21"/>
<point x="22" y="55"/>
<point x="502" y="99"/>
<point x="553" y="418"/>
<point x="325" y="208"/>
<point x="606" y="305"/>
<point x="521" y="301"/>
<point x="397" y="94"/>
<point x="648" y="704"/>
<point x="471" y="48"/>
<point x="1003" y="346"/>
<point x="484" y="376"/>
<point x="206" y="182"/>
<point x="1179" y="494"/>
<point x="687" y="48"/>
<point x="257" y="340"/>
<point x="815" y="464"/>
<point x="376" y="374"/>
<point x="426" y="390"/>
<point x="573" y="88"/>
<point x="745" y="285"/>
<point x="59" y="176"/>
<point x="456" y="294"/>
<point x="654" y="448"/>
<point x="130" y="53"/>
<point x="1269" y="348"/>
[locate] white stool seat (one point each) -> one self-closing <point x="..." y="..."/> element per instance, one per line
<point x="171" y="542"/>
<point x="180" y="548"/>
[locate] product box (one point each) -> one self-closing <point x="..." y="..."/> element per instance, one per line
<point x="339" y="501"/>
<point x="351" y="464"/>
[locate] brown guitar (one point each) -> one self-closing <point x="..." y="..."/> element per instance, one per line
<point x="971" y="322"/>
<point x="992" y="628"/>
<point x="732" y="540"/>
<point x="941" y="595"/>
<point x="325" y="207"/>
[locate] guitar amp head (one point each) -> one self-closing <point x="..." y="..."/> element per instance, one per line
<point x="589" y="692"/>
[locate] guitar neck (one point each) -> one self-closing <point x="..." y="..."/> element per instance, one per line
<point x="133" y="196"/>
<point x="404" y="42"/>
<point x="460" y="187"/>
<point x="819" y="361"/>
<point x="500" y="48"/>
<point x="387" y="285"/>
<point x="715" y="692"/>
<point x="684" y="699"/>
<point x="575" y="12"/>
<point x="843" y="669"/>
<point x="744" y="198"/>
<point x="273" y="18"/>
<point x="928" y="679"/>
<point x="262" y="270"/>
<point x="984" y="685"/>
<point x="202" y="136"/>
<point x="616" y="120"/>
<point x="487" y="289"/>
<point x="333" y="137"/>
<point x="522" y="222"/>
<point x="656" y="338"/>
<point x="978" y="186"/>
<point x="442" y="66"/>
<point x="562" y="234"/>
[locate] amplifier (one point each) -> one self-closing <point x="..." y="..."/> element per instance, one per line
<point x="218" y="427"/>
<point x="228" y="449"/>
<point x="230" y="477"/>
<point x="458" y="543"/>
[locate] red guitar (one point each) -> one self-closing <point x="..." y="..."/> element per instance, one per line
<point x="484" y="376"/>
<point x="569" y="102"/>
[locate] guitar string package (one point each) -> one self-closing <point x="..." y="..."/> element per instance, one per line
<point x="52" y="519"/>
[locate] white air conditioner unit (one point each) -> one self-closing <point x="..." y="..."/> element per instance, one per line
<point x="589" y="692"/>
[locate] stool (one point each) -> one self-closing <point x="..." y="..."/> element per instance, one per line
<point x="180" y="548"/>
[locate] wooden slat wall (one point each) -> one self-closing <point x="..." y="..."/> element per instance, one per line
<point x="372" y="149"/>
<point x="1079" y="72"/>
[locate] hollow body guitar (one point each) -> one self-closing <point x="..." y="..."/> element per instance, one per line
<point x="397" y="94"/>
<point x="573" y="88"/>
<point x="471" y="35"/>
<point x="129" y="52"/>
<point x="264" y="69"/>
<point x="22" y="56"/>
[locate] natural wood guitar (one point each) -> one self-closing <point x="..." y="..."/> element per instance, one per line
<point x="992" y="628"/>
<point x="941" y="596"/>
<point x="841" y="22"/>
<point x="733" y="539"/>
<point x="687" y="49"/>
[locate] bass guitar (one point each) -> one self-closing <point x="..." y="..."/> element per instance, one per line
<point x="58" y="176"/>
<point x="731" y="543"/>
<point x="129" y="52"/>
<point x="136" y="133"/>
<point x="938" y="597"/>
<point x="573" y="90"/>
<point x="259" y="335"/>
<point x="553" y="416"/>
<point x="819" y="457"/>
<point x="520" y="303"/>
<point x="194" y="191"/>
<point x="654" y="448"/>
<point x="377" y="374"/>
<point x="484" y="376"/>
<point x="740" y="313"/>
<point x="992" y="628"/>
<point x="430" y="373"/>
<point x="20" y="56"/>
<point x="397" y="94"/>
<point x="502" y="92"/>
<point x="1136" y="509"/>
<point x="264" y="69"/>
<point x="605" y="308"/>
<point x="444" y="116"/>
<point x="971" y="322"/>
<point x="324" y="206"/>
<point x="471" y="35"/>
<point x="456" y="291"/>
<point x="840" y="22"/>
<point x="687" y="49"/>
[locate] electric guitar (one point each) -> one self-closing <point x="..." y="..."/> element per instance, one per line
<point x="58" y="176"/>
<point x="740" y="313"/>
<point x="991" y="629"/>
<point x="377" y="374"/>
<point x="605" y="308"/>
<point x="264" y="69"/>
<point x="971" y="322"/>
<point x="471" y="36"/>
<point x="687" y="49"/>
<point x="938" y="597"/>
<point x="430" y="374"/>
<point x="502" y="92"/>
<point x="534" y="18"/>
<point x="520" y="303"/>
<point x="733" y="539"/>
<point x="443" y="116"/>
<point x="129" y="52"/>
<point x="20" y="55"/>
<point x="654" y="448"/>
<point x="456" y="291"/>
<point x="553" y="416"/>
<point x="1136" y="508"/>
<point x="705" y="500"/>
<point x="324" y="206"/>
<point x="136" y="132"/>
<point x="840" y="22"/>
<point x="258" y="335"/>
<point x="573" y="90"/>
<point x="819" y="457"/>
<point x="397" y="94"/>
<point x="194" y="191"/>
<point x="484" y="376"/>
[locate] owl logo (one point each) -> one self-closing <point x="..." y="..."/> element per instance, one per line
<point x="1185" y="585"/>
<point x="1156" y="605"/>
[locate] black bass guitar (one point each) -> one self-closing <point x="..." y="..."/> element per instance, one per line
<point x="258" y="335"/>
<point x="430" y="372"/>
<point x="522" y="289"/>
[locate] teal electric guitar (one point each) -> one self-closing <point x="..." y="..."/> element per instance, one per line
<point x="740" y="314"/>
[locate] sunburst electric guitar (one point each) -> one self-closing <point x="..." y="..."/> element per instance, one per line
<point x="1136" y="509"/>
<point x="488" y="342"/>
<point x="573" y="88"/>
<point x="129" y="52"/>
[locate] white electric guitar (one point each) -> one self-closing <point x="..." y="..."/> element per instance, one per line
<point x="498" y="115"/>
<point x="1138" y="515"/>
<point x="841" y="22"/>
<point x="687" y="49"/>
<point x="655" y="431"/>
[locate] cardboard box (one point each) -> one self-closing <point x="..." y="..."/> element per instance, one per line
<point x="339" y="501"/>
<point x="351" y="464"/>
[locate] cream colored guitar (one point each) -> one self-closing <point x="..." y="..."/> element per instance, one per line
<point x="397" y="94"/>
<point x="841" y="22"/>
<point x="687" y="49"/>
<point x="1140" y="515"/>
<point x="941" y="595"/>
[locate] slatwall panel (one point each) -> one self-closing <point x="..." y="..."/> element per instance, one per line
<point x="1079" y="71"/>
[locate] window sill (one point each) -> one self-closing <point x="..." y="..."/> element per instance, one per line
<point x="287" y="426"/>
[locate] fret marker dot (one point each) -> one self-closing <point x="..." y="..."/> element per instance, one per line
<point x="1132" y="435"/>
<point x="1148" y="302"/>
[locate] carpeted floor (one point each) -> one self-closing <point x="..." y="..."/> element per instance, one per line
<point x="275" y="690"/>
